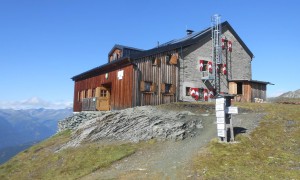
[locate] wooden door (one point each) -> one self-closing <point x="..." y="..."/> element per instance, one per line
<point x="103" y="99"/>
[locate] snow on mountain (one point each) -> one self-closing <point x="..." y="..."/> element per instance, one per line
<point x="35" y="103"/>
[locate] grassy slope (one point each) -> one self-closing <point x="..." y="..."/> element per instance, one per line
<point x="41" y="161"/>
<point x="272" y="151"/>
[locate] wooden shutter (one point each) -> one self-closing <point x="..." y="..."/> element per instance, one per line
<point x="97" y="92"/>
<point x="172" y="89"/>
<point x="78" y="96"/>
<point x="232" y="88"/>
<point x="162" y="88"/>
<point x="174" y="58"/>
<point x="158" y="62"/>
<point x="82" y="95"/>
<point x="89" y="93"/>
<point x="153" y="59"/>
<point x="153" y="87"/>
<point x="142" y="86"/>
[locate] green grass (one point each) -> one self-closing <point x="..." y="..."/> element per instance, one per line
<point x="42" y="162"/>
<point x="272" y="151"/>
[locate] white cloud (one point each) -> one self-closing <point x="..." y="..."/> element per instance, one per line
<point x="35" y="103"/>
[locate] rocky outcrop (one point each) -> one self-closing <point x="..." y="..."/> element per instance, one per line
<point x="133" y="124"/>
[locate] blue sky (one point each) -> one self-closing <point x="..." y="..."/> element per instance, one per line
<point x="43" y="43"/>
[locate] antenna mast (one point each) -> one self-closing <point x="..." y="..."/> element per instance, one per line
<point x="216" y="52"/>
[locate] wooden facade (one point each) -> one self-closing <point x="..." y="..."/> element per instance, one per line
<point x="248" y="91"/>
<point x="161" y="74"/>
<point x="119" y="90"/>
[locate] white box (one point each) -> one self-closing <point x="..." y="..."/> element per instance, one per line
<point x="221" y="126"/>
<point x="220" y="120"/>
<point x="220" y="101"/>
<point x="220" y="107"/>
<point x="232" y="110"/>
<point x="220" y="114"/>
<point x="221" y="132"/>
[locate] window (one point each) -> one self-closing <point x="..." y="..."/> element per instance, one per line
<point x="168" y="88"/>
<point x="187" y="91"/>
<point x="239" y="88"/>
<point x="168" y="57"/>
<point x="146" y="86"/>
<point x="103" y="93"/>
<point x="114" y="56"/>
<point x="78" y="96"/>
<point x="203" y="65"/>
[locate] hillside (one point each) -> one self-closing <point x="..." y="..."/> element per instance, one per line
<point x="19" y="129"/>
<point x="291" y="97"/>
<point x="291" y="94"/>
<point x="267" y="135"/>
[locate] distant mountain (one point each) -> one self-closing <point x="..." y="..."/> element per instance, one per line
<point x="291" y="94"/>
<point x="21" y="128"/>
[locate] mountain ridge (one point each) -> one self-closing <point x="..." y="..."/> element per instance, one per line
<point x="291" y="94"/>
<point x="18" y="128"/>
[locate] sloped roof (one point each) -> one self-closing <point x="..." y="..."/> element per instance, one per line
<point x="103" y="68"/>
<point x="253" y="81"/>
<point x="168" y="46"/>
<point x="190" y="40"/>
<point x="118" y="46"/>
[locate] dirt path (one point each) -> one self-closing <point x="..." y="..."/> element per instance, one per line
<point x="163" y="160"/>
<point x="170" y="159"/>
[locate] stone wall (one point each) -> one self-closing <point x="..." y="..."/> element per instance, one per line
<point x="239" y="61"/>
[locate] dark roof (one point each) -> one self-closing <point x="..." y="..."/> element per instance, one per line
<point x="123" y="47"/>
<point x="168" y="46"/>
<point x="190" y="40"/>
<point x="176" y="43"/>
<point x="254" y="81"/>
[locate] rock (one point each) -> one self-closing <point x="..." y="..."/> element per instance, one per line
<point x="133" y="124"/>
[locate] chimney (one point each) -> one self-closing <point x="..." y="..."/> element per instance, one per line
<point x="188" y="31"/>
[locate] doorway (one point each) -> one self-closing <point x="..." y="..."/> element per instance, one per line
<point x="104" y="98"/>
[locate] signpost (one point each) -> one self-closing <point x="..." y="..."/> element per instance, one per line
<point x="224" y="112"/>
<point x="220" y="115"/>
<point x="232" y="110"/>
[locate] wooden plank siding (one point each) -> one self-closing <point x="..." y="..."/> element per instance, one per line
<point x="158" y="74"/>
<point x="258" y="91"/>
<point x="251" y="90"/>
<point x="247" y="91"/>
<point x="121" y="90"/>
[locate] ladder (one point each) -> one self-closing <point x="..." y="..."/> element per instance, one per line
<point x="216" y="53"/>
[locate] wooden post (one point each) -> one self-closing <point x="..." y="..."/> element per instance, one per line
<point x="231" y="129"/>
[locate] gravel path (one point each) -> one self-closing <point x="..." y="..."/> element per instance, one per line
<point x="171" y="159"/>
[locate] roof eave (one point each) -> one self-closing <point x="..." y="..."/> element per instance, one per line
<point x="103" y="68"/>
<point x="254" y="81"/>
<point x="226" y="24"/>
